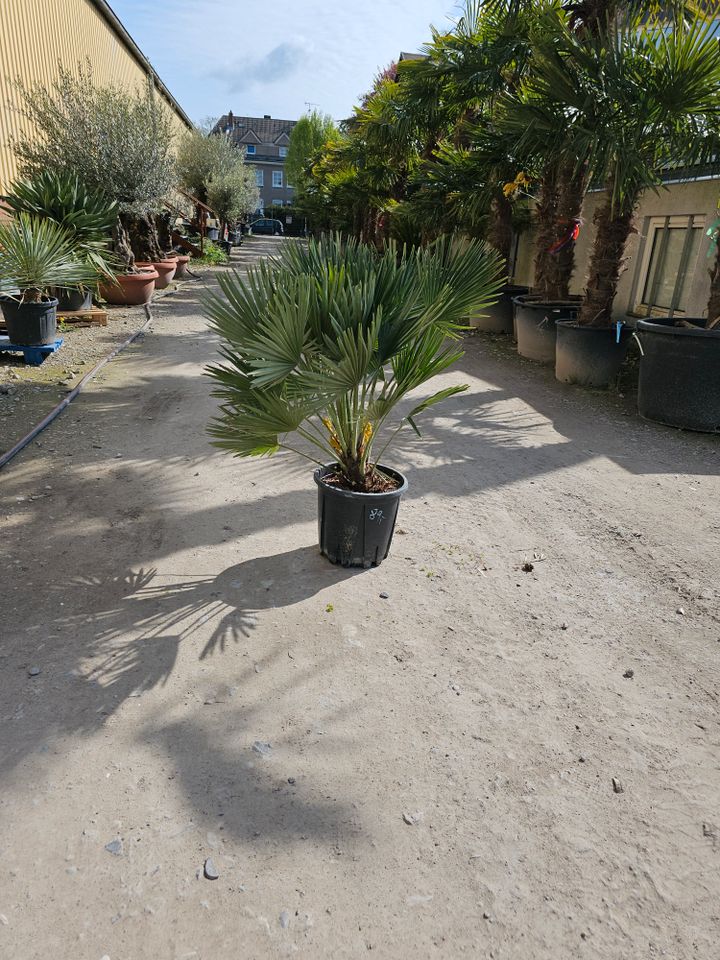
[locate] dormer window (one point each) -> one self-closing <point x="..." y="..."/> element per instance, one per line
<point x="250" y="149"/>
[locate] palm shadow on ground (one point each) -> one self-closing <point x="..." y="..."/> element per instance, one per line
<point x="119" y="636"/>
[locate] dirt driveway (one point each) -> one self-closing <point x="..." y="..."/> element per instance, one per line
<point x="488" y="763"/>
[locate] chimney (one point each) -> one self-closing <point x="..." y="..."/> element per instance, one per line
<point x="267" y="117"/>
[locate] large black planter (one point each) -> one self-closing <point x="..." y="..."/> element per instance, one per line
<point x="499" y="317"/>
<point x="74" y="300"/>
<point x="356" y="529"/>
<point x="680" y="374"/>
<point x="535" y="325"/>
<point x="30" y="324"/>
<point x="589" y="356"/>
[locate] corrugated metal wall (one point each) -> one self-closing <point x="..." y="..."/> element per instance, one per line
<point x="37" y="35"/>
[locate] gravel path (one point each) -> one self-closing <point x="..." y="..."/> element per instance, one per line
<point x="490" y="762"/>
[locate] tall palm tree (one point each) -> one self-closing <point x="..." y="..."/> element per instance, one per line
<point x="635" y="99"/>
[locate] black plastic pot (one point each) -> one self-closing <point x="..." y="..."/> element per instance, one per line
<point x="30" y="324"/>
<point x="72" y="300"/>
<point x="499" y="318"/>
<point x="535" y="325"/>
<point x="589" y="356"/>
<point x="680" y="374"/>
<point x="356" y="529"/>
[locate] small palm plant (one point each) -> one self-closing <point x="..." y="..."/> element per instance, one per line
<point x="328" y="338"/>
<point x="88" y="216"/>
<point x="36" y="255"/>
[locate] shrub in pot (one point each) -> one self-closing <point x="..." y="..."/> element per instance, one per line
<point x="324" y="342"/>
<point x="87" y="215"/>
<point x="36" y="256"/>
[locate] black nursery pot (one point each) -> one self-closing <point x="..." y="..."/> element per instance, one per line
<point x="356" y="529"/>
<point x="30" y="324"/>
<point x="535" y="325"/>
<point x="680" y="374"/>
<point x="589" y="356"/>
<point x="73" y="300"/>
<point x="499" y="317"/>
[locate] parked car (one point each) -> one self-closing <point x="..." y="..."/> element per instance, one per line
<point x="265" y="225"/>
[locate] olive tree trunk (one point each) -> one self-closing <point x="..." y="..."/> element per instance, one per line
<point x="144" y="238"/>
<point x="121" y="246"/>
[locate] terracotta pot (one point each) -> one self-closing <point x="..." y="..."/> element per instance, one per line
<point x="182" y="262"/>
<point x="165" y="268"/>
<point x="130" y="289"/>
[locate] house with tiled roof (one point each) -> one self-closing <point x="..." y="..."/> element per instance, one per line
<point x="265" y="140"/>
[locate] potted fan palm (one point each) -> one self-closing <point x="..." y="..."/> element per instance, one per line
<point x="639" y="96"/>
<point x="87" y="215"/>
<point x="36" y="256"/>
<point x="324" y="342"/>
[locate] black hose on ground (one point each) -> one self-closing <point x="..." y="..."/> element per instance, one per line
<point x="66" y="401"/>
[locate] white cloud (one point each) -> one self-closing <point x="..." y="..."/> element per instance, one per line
<point x="217" y="55"/>
<point x="274" y="67"/>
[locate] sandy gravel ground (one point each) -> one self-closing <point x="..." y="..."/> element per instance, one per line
<point x="427" y="775"/>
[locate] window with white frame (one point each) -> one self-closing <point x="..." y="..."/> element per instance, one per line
<point x="283" y="151"/>
<point x="250" y="147"/>
<point x="667" y="266"/>
<point x="277" y="180"/>
<point x="260" y="178"/>
<point x="277" y="201"/>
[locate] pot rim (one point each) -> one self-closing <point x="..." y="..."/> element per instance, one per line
<point x="141" y="275"/>
<point x="44" y="301"/>
<point x="647" y="326"/>
<point x="535" y="300"/>
<point x="319" y="478"/>
<point x="612" y="328"/>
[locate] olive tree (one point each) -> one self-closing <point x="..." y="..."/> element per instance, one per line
<point x="204" y="156"/>
<point x="234" y="193"/>
<point x="116" y="141"/>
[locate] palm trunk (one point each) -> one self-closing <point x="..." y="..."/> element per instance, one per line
<point x="545" y="217"/>
<point x="500" y="230"/>
<point x="561" y="264"/>
<point x="606" y="261"/>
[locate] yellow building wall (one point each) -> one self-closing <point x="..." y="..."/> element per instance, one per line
<point x="38" y="35"/>
<point x="697" y="197"/>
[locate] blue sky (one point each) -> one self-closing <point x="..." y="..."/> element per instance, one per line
<point x="255" y="57"/>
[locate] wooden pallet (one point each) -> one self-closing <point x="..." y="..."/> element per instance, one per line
<point x="92" y="318"/>
<point x="34" y="356"/>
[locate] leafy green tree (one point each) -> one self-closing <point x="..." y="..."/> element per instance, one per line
<point x="308" y="137"/>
